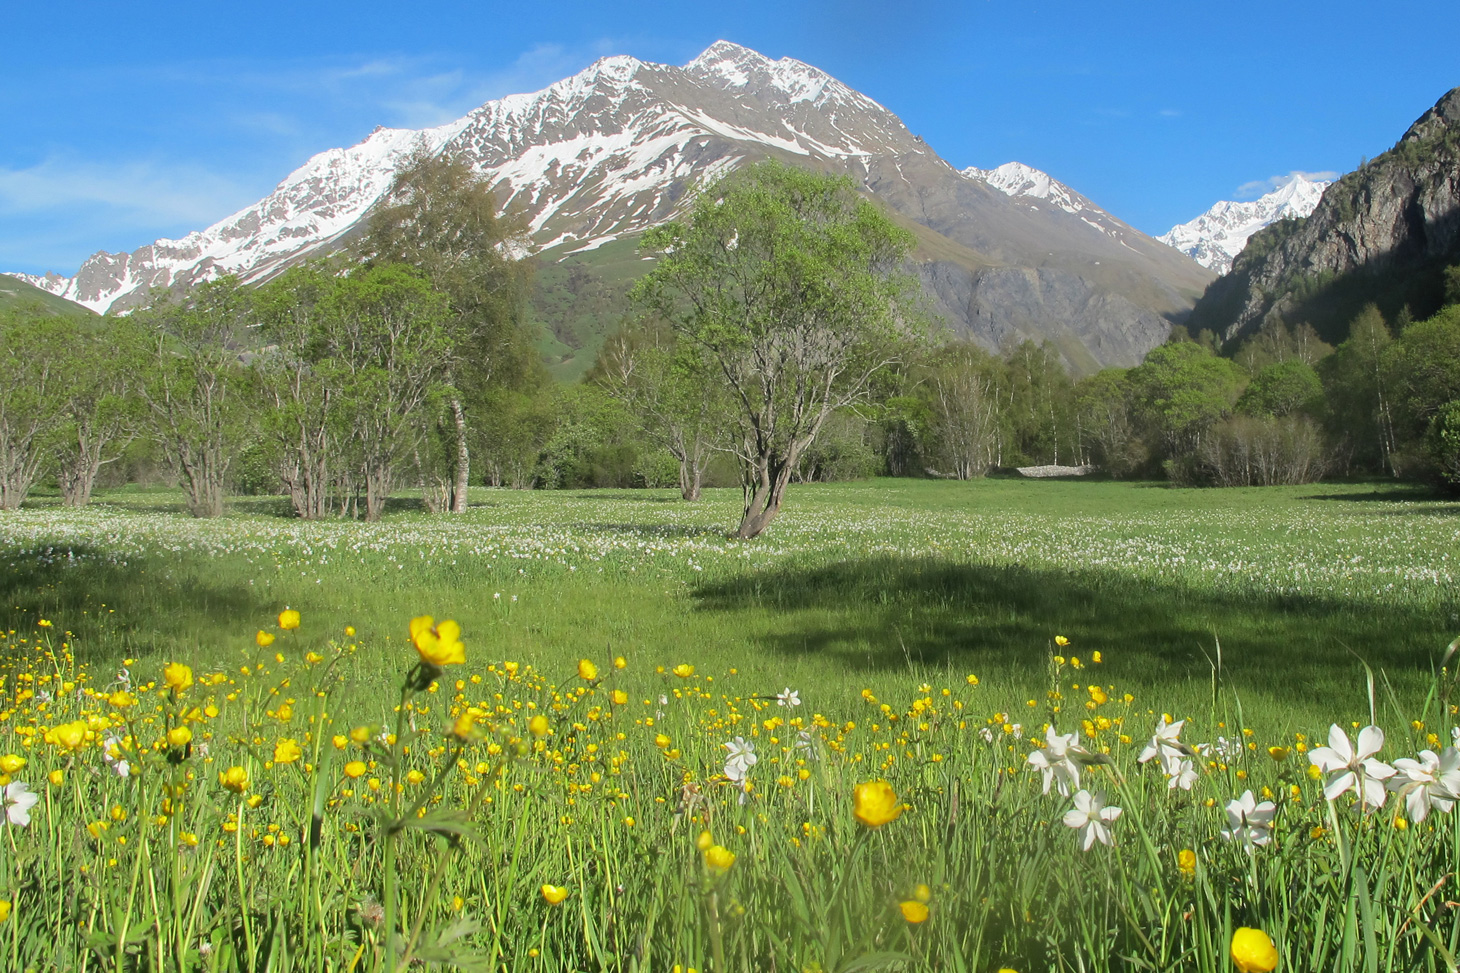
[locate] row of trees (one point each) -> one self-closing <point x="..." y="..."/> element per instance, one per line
<point x="777" y="338"/>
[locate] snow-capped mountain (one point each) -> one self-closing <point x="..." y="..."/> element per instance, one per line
<point x="1215" y="237"/>
<point x="1016" y="179"/>
<point x="616" y="148"/>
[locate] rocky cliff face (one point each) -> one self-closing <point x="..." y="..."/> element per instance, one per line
<point x="1382" y="233"/>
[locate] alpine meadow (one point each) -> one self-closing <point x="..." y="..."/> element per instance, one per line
<point x="677" y="522"/>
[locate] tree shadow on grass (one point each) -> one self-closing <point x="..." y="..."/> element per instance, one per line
<point x="134" y="606"/>
<point x="653" y="531"/>
<point x="884" y="613"/>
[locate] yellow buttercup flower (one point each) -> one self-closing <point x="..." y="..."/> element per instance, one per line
<point x="553" y="894"/>
<point x="587" y="671"/>
<point x="438" y="645"/>
<point x="462" y="726"/>
<point x="1061" y="641"/>
<point x="684" y="670"/>
<point x="914" y="911"/>
<point x="1186" y="862"/>
<point x="11" y="764"/>
<point x="1253" y="951"/>
<point x="875" y="803"/>
<point x="718" y="858"/>
<point x="619" y="697"/>
<point x="179" y="736"/>
<point x="177" y="676"/>
<point x="1278" y="753"/>
<point x="56" y="777"/>
<point x="4" y="909"/>
<point x="349" y="631"/>
<point x="538" y="725"/>
<point x="286" y="751"/>
<point x="69" y="736"/>
<point x="234" y="779"/>
<point x="923" y="894"/>
<point x="620" y="662"/>
<point x="289" y="618"/>
<point x="704" y="841"/>
<point x="264" y="639"/>
<point x="355" y="769"/>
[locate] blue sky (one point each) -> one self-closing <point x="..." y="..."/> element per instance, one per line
<point x="129" y="122"/>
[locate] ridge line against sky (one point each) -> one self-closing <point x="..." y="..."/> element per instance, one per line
<point x="125" y="129"/>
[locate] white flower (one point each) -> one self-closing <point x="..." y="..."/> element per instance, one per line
<point x="1017" y="729"/>
<point x="1165" y="746"/>
<point x="742" y="758"/>
<point x="788" y="697"/>
<point x="805" y="744"/>
<point x="1057" y="762"/>
<point x="112" y="754"/>
<point x="1091" y="815"/>
<point x="1356" y="770"/>
<point x="1183" y="775"/>
<point x="1432" y="781"/>
<point x="1248" y="821"/>
<point x="17" y="798"/>
<point x="1455" y="735"/>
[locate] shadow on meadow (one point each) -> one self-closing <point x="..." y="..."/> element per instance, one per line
<point x="889" y="613"/>
<point x="138" y="607"/>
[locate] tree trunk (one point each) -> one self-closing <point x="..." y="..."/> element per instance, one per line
<point x="463" y="459"/>
<point x="377" y="488"/>
<point x="765" y="502"/>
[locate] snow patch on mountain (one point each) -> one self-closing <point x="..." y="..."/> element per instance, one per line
<point x="1017" y="180"/>
<point x="1215" y="238"/>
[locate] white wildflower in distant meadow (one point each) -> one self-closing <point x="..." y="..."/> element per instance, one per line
<point x="1248" y="821"/>
<point x="742" y="757"/>
<point x="1091" y="816"/>
<point x="1057" y="761"/>
<point x="1349" y="768"/>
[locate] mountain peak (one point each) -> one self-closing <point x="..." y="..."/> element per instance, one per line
<point x="1215" y="238"/>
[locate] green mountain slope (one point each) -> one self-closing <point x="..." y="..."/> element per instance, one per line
<point x="17" y="295"/>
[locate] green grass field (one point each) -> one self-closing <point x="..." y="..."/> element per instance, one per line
<point x="1259" y="616"/>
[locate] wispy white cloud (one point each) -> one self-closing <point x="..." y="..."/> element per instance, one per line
<point x="160" y="193"/>
<point x="1261" y="187"/>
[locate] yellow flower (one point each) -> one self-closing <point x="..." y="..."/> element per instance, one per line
<point x="538" y="725"/>
<point x="355" y="769"/>
<point x="234" y="779"/>
<point x="923" y="894"/>
<point x="179" y="736"/>
<point x="360" y="734"/>
<point x="553" y="894"/>
<point x="972" y="679"/>
<point x="1096" y="658"/>
<point x="587" y="671"/>
<point x="684" y="670"/>
<point x="349" y="631"/>
<point x="620" y="662"/>
<point x="44" y="622"/>
<point x="69" y="736"/>
<point x="286" y="751"/>
<point x="264" y="639"/>
<point x="11" y="764"/>
<point x="177" y="676"/>
<point x="619" y="697"/>
<point x="875" y="803"/>
<point x="462" y="726"/>
<point x="661" y="741"/>
<point x="1186" y="861"/>
<point x="718" y="859"/>
<point x="1061" y="641"/>
<point x="289" y="618"/>
<point x="121" y="699"/>
<point x="4" y="909"/>
<point x="1253" y="951"/>
<point x="439" y="645"/>
<point x="914" y="911"/>
<point x="56" y="777"/>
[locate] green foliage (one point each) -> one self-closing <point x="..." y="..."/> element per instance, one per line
<point x="1443" y="441"/>
<point x="1282" y="389"/>
<point x="1180" y="390"/>
<point x="792" y="287"/>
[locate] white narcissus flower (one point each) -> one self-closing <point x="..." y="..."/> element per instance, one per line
<point x="17" y="798"/>
<point x="1432" y="781"/>
<point x="788" y="697"/>
<point x="1091" y="815"/>
<point x="1354" y="769"/>
<point x="1183" y="775"/>
<point x="1165" y="746"/>
<point x="742" y="757"/>
<point x="1057" y="761"/>
<point x="1248" y="821"/>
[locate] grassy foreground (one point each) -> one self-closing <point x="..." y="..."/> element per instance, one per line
<point x="324" y="802"/>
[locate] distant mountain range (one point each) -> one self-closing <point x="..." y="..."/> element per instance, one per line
<point x="1004" y="254"/>
<point x="1215" y="237"/>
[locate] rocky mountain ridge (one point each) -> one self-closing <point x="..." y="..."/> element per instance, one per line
<point x="614" y="149"/>
<point x="1382" y="233"/>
